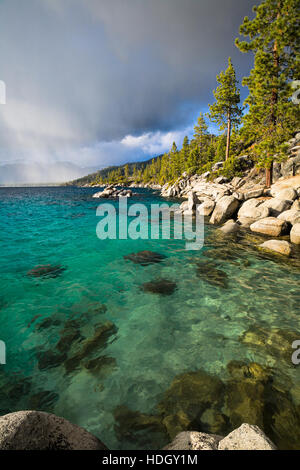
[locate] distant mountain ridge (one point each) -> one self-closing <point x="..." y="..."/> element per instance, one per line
<point x="104" y="171"/>
<point x="39" y="173"/>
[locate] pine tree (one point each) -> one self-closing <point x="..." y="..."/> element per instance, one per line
<point x="274" y="40"/>
<point x="201" y="136"/>
<point x="226" y="111"/>
<point x="126" y="172"/>
<point x="184" y="153"/>
<point x="174" y="157"/>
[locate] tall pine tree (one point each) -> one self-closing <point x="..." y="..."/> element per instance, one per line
<point x="274" y="39"/>
<point x="226" y="111"/>
<point x="201" y="135"/>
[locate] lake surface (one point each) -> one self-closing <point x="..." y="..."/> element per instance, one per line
<point x="93" y="343"/>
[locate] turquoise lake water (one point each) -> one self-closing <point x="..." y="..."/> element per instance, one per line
<point x="231" y="303"/>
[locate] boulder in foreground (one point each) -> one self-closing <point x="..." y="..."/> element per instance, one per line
<point x="36" y="430"/>
<point x="192" y="440"/>
<point x="246" y="437"/>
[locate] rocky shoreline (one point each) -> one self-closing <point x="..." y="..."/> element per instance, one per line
<point x="37" y="430"/>
<point x="244" y="203"/>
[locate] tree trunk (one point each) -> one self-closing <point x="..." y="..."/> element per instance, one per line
<point x="269" y="175"/>
<point x="228" y="136"/>
<point x="274" y="100"/>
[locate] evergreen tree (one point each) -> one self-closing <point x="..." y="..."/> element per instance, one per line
<point x="200" y="136"/>
<point x="184" y="154"/>
<point x="274" y="40"/>
<point x="174" y="161"/>
<point x="126" y="172"/>
<point x="220" y="147"/>
<point x="226" y="111"/>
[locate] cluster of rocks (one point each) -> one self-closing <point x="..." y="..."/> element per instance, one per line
<point x="273" y="212"/>
<point x="246" y="437"/>
<point x="112" y="192"/>
<point x="36" y="430"/>
<point x="146" y="185"/>
<point x="245" y="203"/>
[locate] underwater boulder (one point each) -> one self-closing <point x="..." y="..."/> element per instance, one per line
<point x="48" y="323"/>
<point x="212" y="275"/>
<point x="134" y="426"/>
<point x="146" y="257"/>
<point x="244" y="402"/>
<point x="97" y="342"/>
<point x="240" y="370"/>
<point x="101" y="365"/>
<point x="46" y="270"/>
<point x="43" y="400"/>
<point x="188" y="396"/>
<point x="276" y="342"/>
<point x="160" y="286"/>
<point x="49" y="359"/>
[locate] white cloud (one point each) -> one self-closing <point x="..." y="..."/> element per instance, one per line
<point x="155" y="143"/>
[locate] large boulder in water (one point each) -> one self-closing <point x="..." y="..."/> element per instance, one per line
<point x="36" y="430"/>
<point x="270" y="226"/>
<point x="279" y="246"/>
<point x="251" y="211"/>
<point x="295" y="234"/>
<point x="225" y="208"/>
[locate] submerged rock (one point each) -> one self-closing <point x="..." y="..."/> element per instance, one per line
<point x="48" y="323"/>
<point x="240" y="370"/>
<point x="46" y="270"/>
<point x="35" y="430"/>
<point x="145" y="257"/>
<point x="245" y="401"/>
<point x="97" y="342"/>
<point x="103" y="364"/>
<point x="43" y="400"/>
<point x="67" y="339"/>
<point x="49" y="359"/>
<point x="160" y="286"/>
<point x="275" y="342"/>
<point x="214" y="276"/>
<point x="230" y="227"/>
<point x="19" y="389"/>
<point x="189" y="395"/>
<point x="134" y="426"/>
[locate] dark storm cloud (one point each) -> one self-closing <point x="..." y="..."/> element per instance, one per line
<point x="80" y="72"/>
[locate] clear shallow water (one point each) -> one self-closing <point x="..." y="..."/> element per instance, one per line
<point x="156" y="338"/>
